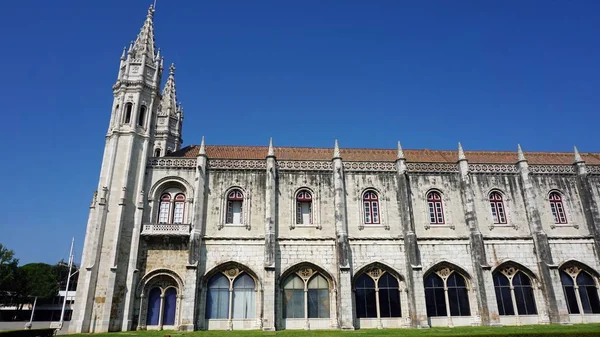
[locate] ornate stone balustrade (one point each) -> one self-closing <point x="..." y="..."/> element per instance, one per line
<point x="160" y="229"/>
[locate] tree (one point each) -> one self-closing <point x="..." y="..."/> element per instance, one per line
<point x="8" y="274"/>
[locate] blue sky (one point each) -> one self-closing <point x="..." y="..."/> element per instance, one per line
<point x="490" y="74"/>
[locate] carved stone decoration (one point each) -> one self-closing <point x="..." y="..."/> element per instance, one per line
<point x="232" y="273"/>
<point x="492" y="168"/>
<point x="305" y="273"/>
<point x="432" y="167"/>
<point x="509" y="272"/>
<point x="375" y="273"/>
<point x="172" y="163"/>
<point x="370" y="166"/>
<point x="573" y="271"/>
<point x="593" y="169"/>
<point x="237" y="164"/>
<point x="552" y="169"/>
<point x="304" y="165"/>
<point x="444" y="273"/>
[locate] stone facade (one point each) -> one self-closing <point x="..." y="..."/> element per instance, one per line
<point x="168" y="222"/>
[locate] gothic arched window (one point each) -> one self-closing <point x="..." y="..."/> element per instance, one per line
<point x="240" y="288"/>
<point x="557" y="207"/>
<point x="497" y="206"/>
<point x="580" y="290"/>
<point x="170" y="306"/>
<point x="164" y="210"/>
<point x="511" y="283"/>
<point x="157" y="153"/>
<point x="306" y="295"/>
<point x="436" y="209"/>
<point x="161" y="305"/>
<point x="304" y="207"/>
<point x="153" y="307"/>
<point x="377" y="287"/>
<point x="446" y="284"/>
<point x="128" y="109"/>
<point x="179" y="208"/>
<point x="142" y="115"/>
<point x="235" y="203"/>
<point x="371" y="207"/>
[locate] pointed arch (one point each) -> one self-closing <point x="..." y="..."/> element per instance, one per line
<point x="574" y="262"/>
<point x="580" y="286"/>
<point x="447" y="290"/>
<point x="380" y="265"/>
<point x="307" y="292"/>
<point x="447" y="264"/>
<point x="512" y="263"/>
<point x="229" y="265"/>
<point x="167" y="182"/>
<point x="153" y="275"/>
<point x="377" y="291"/>
<point x="160" y="292"/>
<point x="305" y="264"/>
<point x="514" y="281"/>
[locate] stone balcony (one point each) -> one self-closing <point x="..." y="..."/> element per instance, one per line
<point x="162" y="229"/>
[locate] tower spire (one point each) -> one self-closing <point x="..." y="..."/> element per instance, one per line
<point x="520" y="154"/>
<point x="271" y="152"/>
<point x="336" y="150"/>
<point x="170" y="116"/>
<point x="400" y="154"/>
<point x="578" y="158"/>
<point x="461" y="153"/>
<point x="144" y="44"/>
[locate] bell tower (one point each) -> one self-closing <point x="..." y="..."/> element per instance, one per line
<point x="111" y="236"/>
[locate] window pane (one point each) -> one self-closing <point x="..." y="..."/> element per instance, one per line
<point x="237" y="212"/>
<point x="367" y="212"/>
<point x="178" y="213"/>
<point x="318" y="303"/>
<point x="170" y="307"/>
<point x="318" y="282"/>
<point x="243" y="303"/>
<point x="431" y="213"/>
<point x="217" y="303"/>
<point x="375" y="207"/>
<point x="306" y="213"/>
<point x="571" y="299"/>
<point x="525" y="300"/>
<point x="389" y="302"/>
<point x="163" y="215"/>
<point x="504" y="300"/>
<point x="435" y="301"/>
<point x="293" y="303"/>
<point x="591" y="294"/>
<point x="153" y="307"/>
<point x="501" y="215"/>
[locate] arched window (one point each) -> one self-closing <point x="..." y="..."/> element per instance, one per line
<point x="446" y="284"/>
<point x="179" y="208"/>
<point x="142" y="115"/>
<point x="164" y="210"/>
<point x="153" y="306"/>
<point x="436" y="209"/>
<point x="511" y="283"/>
<point x="303" y="208"/>
<point x="128" y="108"/>
<point x="371" y="207"/>
<point x="557" y="207"/>
<point x="377" y="286"/>
<point x="240" y="287"/>
<point x="580" y="291"/>
<point x="161" y="306"/>
<point x="157" y="153"/>
<point x="306" y="295"/>
<point x="235" y="201"/>
<point x="497" y="206"/>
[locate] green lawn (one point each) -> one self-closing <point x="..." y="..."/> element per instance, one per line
<point x="586" y="330"/>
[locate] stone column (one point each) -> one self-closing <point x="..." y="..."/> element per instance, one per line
<point x="540" y="240"/>
<point x="269" y="279"/>
<point x="343" y="258"/>
<point x="417" y="311"/>
<point x="590" y="204"/>
<point x="190" y="291"/>
<point x="481" y="270"/>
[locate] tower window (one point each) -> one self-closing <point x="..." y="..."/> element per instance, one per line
<point x="157" y="153"/>
<point x="303" y="208"/>
<point x="164" y="208"/>
<point x="142" y="115"/>
<point x="557" y="207"/>
<point x="128" y="108"/>
<point x="497" y="206"/>
<point x="436" y="209"/>
<point x="371" y="206"/>
<point x="235" y="201"/>
<point x="179" y="208"/>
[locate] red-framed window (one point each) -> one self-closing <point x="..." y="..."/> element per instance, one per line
<point x="497" y="206"/>
<point x="558" y="208"/>
<point x="164" y="209"/>
<point x="371" y="207"/>
<point x="235" y="201"/>
<point x="179" y="209"/>
<point x="436" y="208"/>
<point x="304" y="208"/>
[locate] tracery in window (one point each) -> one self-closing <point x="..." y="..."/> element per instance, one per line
<point x="514" y="292"/>
<point x="580" y="291"/>
<point x="557" y="207"/>
<point x="497" y="207"/>
<point x="235" y="203"/>
<point x="446" y="293"/>
<point x="306" y="295"/>
<point x="377" y="286"/>
<point x="304" y="207"/>
<point x="371" y="207"/>
<point x="237" y="285"/>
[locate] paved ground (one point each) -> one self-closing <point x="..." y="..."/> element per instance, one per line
<point x="36" y="325"/>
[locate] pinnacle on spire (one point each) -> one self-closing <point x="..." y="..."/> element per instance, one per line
<point x="169" y="104"/>
<point x="202" y="151"/>
<point x="400" y="154"/>
<point x="578" y="158"/>
<point x="144" y="44"/>
<point x="520" y="154"/>
<point x="271" y="152"/>
<point x="336" y="150"/>
<point x="461" y="153"/>
<point x="124" y="54"/>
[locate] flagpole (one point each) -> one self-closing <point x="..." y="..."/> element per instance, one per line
<point x="62" y="312"/>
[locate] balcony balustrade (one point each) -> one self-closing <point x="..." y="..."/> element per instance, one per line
<point x="163" y="229"/>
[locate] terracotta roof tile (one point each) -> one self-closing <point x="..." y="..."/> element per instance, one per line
<point x="389" y="155"/>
